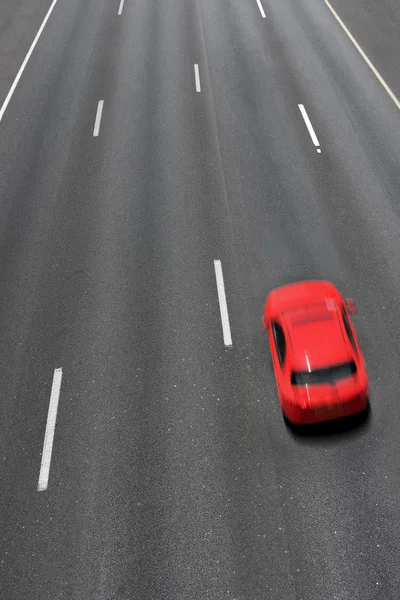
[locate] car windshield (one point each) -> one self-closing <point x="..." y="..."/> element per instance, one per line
<point x="326" y="375"/>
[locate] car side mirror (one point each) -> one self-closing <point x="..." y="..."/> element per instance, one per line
<point x="351" y="306"/>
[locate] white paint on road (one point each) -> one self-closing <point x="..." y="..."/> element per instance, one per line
<point x="309" y="126"/>
<point x="197" y="78"/>
<point x="98" y="118"/>
<point x="121" y="7"/>
<point x="261" y="9"/>
<point x="50" y="428"/>
<point x="27" y="57"/>
<point x="365" y="57"/>
<point x="226" y="329"/>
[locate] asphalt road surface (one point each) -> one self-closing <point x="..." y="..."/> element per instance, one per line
<point x="145" y="140"/>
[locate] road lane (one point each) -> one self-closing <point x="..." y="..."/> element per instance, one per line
<point x="260" y="6"/>
<point x="26" y="60"/>
<point x="351" y="37"/>
<point x="20" y="21"/>
<point x="36" y="144"/>
<point x="97" y="122"/>
<point x="335" y="216"/>
<point x="197" y="78"/>
<point x="154" y="478"/>
<point x="172" y="473"/>
<point x="226" y="329"/>
<point x="50" y="430"/>
<point x="375" y="25"/>
<point x="309" y="126"/>
<point x="167" y="523"/>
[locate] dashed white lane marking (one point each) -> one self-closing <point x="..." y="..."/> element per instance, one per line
<point x="309" y="127"/>
<point x="98" y="118"/>
<point x="197" y="78"/>
<point x="365" y="57"/>
<point x="121" y="7"/>
<point x="226" y="329"/>
<point x="261" y="9"/>
<point x="49" y="435"/>
<point x="27" y="57"/>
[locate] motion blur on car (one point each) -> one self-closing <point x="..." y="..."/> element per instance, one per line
<point x="319" y="368"/>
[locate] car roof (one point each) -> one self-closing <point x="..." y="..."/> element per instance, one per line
<point x="316" y="335"/>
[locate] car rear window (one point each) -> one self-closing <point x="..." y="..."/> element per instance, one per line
<point x="326" y="375"/>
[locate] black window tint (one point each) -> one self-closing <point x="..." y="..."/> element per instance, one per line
<point x="348" y="330"/>
<point x="280" y="342"/>
<point x="327" y="375"/>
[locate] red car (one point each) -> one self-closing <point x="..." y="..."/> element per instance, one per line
<point x="319" y="369"/>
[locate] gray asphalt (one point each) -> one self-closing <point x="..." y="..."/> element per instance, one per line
<point x="173" y="475"/>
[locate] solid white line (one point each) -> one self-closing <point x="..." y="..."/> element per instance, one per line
<point x="197" y="78"/>
<point x="261" y="9"/>
<point x="121" y="6"/>
<point x="309" y="125"/>
<point x="49" y="435"/>
<point x="27" y="57"/>
<point x="98" y="118"/>
<point x="365" y="57"/>
<point x="226" y="329"/>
